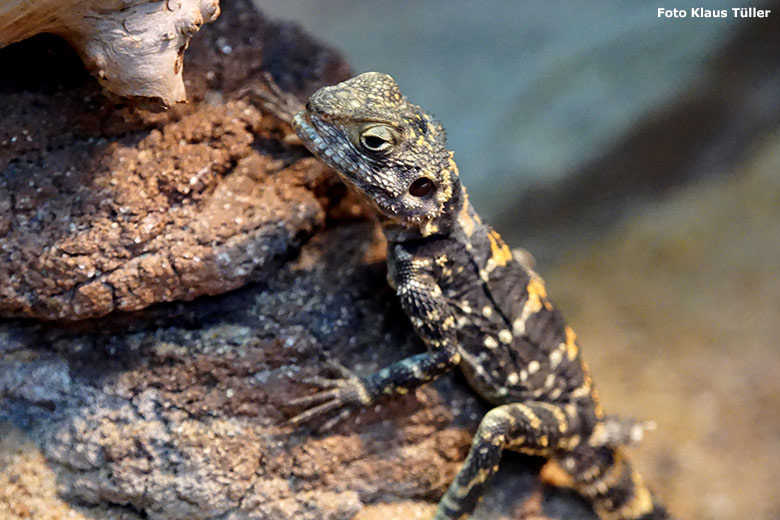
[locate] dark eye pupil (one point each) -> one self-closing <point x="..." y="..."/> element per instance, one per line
<point x="373" y="142"/>
<point x="421" y="187"/>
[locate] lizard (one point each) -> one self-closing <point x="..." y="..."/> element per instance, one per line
<point x="473" y="303"/>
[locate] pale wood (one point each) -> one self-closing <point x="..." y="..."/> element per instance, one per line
<point x="133" y="47"/>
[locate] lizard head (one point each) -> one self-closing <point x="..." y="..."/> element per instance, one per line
<point x="388" y="149"/>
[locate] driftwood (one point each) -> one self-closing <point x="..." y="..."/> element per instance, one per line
<point x="134" y="48"/>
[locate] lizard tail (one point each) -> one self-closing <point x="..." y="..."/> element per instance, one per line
<point x="606" y="478"/>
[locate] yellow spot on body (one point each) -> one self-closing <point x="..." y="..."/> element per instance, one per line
<point x="401" y="390"/>
<point x="453" y="165"/>
<point x="449" y="322"/>
<point x="544" y="440"/>
<point x="490" y="342"/>
<point x="441" y="260"/>
<point x="571" y="345"/>
<point x="553" y="474"/>
<point x="581" y="391"/>
<point x="464" y="219"/>
<point x="512" y="378"/>
<point x="536" y="299"/>
<point x="504" y="336"/>
<point x="421" y="262"/>
<point x="532" y="451"/>
<point x="533" y="367"/>
<point x="536" y="293"/>
<point x="599" y="435"/>
<point x="481" y="476"/>
<point x="529" y="414"/>
<point x="641" y="503"/>
<point x="560" y="417"/>
<point x="428" y="228"/>
<point x="487" y="311"/>
<point x="518" y="441"/>
<point x="445" y="193"/>
<point x="501" y="252"/>
<point x="571" y="443"/>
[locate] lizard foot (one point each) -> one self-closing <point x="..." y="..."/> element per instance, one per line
<point x="619" y="431"/>
<point x="273" y="99"/>
<point x="340" y="394"/>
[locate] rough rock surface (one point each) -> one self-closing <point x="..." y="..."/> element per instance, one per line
<point x="179" y="411"/>
<point x="105" y="207"/>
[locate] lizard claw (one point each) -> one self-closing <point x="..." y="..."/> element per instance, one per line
<point x="273" y="99"/>
<point x="624" y="431"/>
<point x="341" y="393"/>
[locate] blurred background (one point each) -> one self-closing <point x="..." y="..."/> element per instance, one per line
<point x="638" y="159"/>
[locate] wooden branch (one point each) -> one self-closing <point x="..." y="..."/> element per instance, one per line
<point x="133" y="47"/>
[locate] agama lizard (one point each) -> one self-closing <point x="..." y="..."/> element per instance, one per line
<point x="472" y="303"/>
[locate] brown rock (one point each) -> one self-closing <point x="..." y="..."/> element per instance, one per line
<point x="104" y="207"/>
<point x="179" y="411"/>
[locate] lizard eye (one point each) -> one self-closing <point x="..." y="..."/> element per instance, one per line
<point x="421" y="187"/>
<point x="378" y="138"/>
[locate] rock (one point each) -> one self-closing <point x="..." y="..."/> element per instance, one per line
<point x="179" y="411"/>
<point x="104" y="207"/>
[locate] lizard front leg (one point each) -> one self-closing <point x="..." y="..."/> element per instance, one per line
<point x="432" y="319"/>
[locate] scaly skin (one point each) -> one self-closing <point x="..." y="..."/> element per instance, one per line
<point x="471" y="302"/>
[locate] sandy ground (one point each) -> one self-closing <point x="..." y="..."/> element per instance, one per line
<point x="678" y="312"/>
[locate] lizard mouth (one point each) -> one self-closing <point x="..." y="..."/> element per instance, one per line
<point x="314" y="131"/>
<point x="307" y="131"/>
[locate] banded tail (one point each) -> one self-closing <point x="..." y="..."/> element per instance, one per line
<point x="606" y="478"/>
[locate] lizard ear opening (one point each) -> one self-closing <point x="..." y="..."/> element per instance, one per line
<point x="422" y="187"/>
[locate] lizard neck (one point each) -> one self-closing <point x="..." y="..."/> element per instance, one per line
<point x="444" y="225"/>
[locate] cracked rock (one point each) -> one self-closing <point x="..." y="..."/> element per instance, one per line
<point x="105" y="207"/>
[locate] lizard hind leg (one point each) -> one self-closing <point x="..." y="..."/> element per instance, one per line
<point x="605" y="476"/>
<point x="532" y="427"/>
